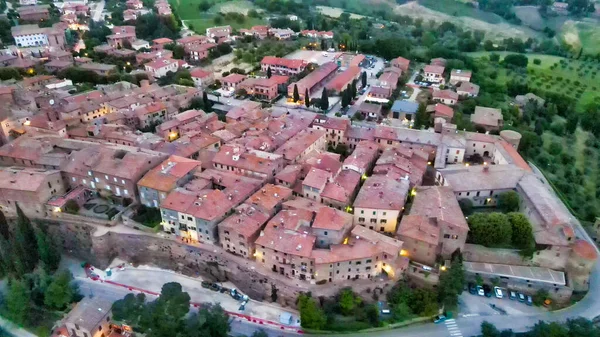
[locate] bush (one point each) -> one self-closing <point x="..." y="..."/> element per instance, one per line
<point x="537" y="61"/>
<point x="466" y="205"/>
<point x="71" y="207"/>
<point x="490" y="229"/>
<point x="509" y="201"/>
<point x="147" y="216"/>
<point x="540" y="296"/>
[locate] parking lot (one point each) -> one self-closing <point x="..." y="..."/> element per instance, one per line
<point x="313" y="56"/>
<point x="476" y="305"/>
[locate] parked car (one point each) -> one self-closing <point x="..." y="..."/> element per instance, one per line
<point x="206" y="284"/>
<point x="547" y="303"/>
<point x="521" y="297"/>
<point x="238" y="295"/>
<point x="498" y="292"/>
<point x="480" y="291"/>
<point x="512" y="295"/>
<point x="487" y="290"/>
<point x="472" y="289"/>
<point x="529" y="300"/>
<point x="439" y="319"/>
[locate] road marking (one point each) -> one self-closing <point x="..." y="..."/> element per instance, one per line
<point x="454" y="329"/>
<point x="450" y="320"/>
<point x="456" y="334"/>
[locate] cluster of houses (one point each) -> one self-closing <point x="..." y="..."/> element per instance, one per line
<point x="262" y="185"/>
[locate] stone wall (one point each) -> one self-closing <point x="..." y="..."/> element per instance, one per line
<point x="206" y="261"/>
<point x="543" y="258"/>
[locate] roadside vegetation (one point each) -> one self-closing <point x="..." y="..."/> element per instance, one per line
<point x="572" y="327"/>
<point x="169" y="315"/>
<point x="37" y="293"/>
<point x="349" y="311"/>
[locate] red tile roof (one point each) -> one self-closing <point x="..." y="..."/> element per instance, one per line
<point x="445" y="94"/>
<point x="165" y="176"/>
<point x="419" y="228"/>
<point x="382" y="192"/>
<point x="283" y="62"/>
<point x="269" y="197"/>
<point x="316" y="178"/>
<point x="444" y="110"/>
<point x="340" y="82"/>
<point x="233" y="78"/>
<point x="199" y="73"/>
<point x="433" y="69"/>
<point x="332" y="219"/>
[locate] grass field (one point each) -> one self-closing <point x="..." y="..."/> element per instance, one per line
<point x="458" y="8"/>
<point x="472" y="21"/>
<point x="578" y="34"/>
<point x="575" y="78"/>
<point x="198" y="21"/>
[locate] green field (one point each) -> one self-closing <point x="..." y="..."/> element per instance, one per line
<point x="575" y="78"/>
<point x="578" y="34"/>
<point x="190" y="13"/>
<point x="458" y="8"/>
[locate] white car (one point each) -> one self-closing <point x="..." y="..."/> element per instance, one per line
<point x="498" y="292"/>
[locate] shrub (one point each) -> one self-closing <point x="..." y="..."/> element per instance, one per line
<point x="71" y="207"/>
<point x="537" y="61"/>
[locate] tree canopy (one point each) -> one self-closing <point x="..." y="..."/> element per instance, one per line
<point x="490" y="229"/>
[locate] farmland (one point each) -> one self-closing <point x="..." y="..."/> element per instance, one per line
<point x="575" y="78"/>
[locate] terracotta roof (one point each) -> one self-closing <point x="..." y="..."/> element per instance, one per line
<point x="246" y="221"/>
<point x="445" y="94"/>
<point x="342" y="187"/>
<point x="162" y="40"/>
<point x="482" y="178"/>
<point x="362" y="157"/>
<point x="341" y="80"/>
<point x="419" y="228"/>
<point x="269" y="197"/>
<point x="233" y="78"/>
<point x="165" y="176"/>
<point x="361" y="133"/>
<point x="283" y="62"/>
<point x="443" y="110"/>
<point x="438" y="202"/>
<point x="287" y="241"/>
<point x="585" y="249"/>
<point x="316" y="178"/>
<point x="199" y="73"/>
<point x="289" y="174"/>
<point x="334" y="123"/>
<point x="294" y="147"/>
<point x="300" y="203"/>
<point x="433" y="69"/>
<point x="382" y="192"/>
<point x="486" y="116"/>
<point x="318" y="75"/>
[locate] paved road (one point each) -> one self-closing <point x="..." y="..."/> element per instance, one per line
<point x="97" y="12"/>
<point x="239" y="327"/>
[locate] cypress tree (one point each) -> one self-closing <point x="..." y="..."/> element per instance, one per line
<point x="324" y="100"/>
<point x="25" y="243"/>
<point x="306" y="98"/>
<point x="205" y="100"/>
<point x="49" y="254"/>
<point x="323" y="45"/>
<point x="363" y="79"/>
<point x="296" y="94"/>
<point x="269" y="72"/>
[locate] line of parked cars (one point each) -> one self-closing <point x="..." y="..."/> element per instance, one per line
<point x="488" y="291"/>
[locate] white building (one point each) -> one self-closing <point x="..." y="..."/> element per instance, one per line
<point x="30" y="36"/>
<point x="161" y="67"/>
